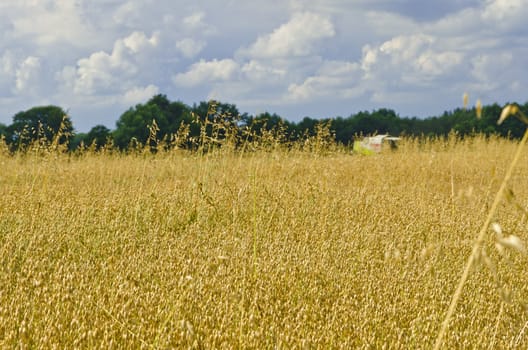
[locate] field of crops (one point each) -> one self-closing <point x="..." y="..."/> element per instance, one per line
<point x="266" y="249"/>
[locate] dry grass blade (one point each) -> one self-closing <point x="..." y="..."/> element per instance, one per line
<point x="519" y="336"/>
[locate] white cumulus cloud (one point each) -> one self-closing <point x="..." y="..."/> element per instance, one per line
<point x="190" y="47"/>
<point x="207" y="71"/>
<point x="49" y="22"/>
<point x="138" y="41"/>
<point x="259" y="72"/>
<point x="410" y="59"/>
<point x="295" y="38"/>
<point x="127" y="13"/>
<point x="506" y="13"/>
<point x="27" y="75"/>
<point x="402" y="48"/>
<point x="196" y="22"/>
<point x="139" y="94"/>
<point x="336" y="79"/>
<point x="103" y="71"/>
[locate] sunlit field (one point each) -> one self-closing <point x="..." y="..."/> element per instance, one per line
<point x="270" y="248"/>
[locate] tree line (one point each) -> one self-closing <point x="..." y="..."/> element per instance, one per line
<point x="160" y="120"/>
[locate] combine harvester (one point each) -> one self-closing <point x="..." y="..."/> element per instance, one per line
<point x="375" y="144"/>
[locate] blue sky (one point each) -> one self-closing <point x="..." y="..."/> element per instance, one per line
<point x="318" y="58"/>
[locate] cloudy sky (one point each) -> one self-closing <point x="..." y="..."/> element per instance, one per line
<point x="318" y="58"/>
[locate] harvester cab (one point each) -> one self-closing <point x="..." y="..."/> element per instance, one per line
<point x="375" y="144"/>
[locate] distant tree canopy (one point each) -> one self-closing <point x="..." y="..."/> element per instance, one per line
<point x="171" y="117"/>
<point x="98" y="134"/>
<point x="208" y="110"/>
<point x="267" y="121"/>
<point x="39" y="123"/>
<point x="135" y="122"/>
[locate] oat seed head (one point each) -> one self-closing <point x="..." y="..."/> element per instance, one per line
<point x="478" y="108"/>
<point x="506" y="112"/>
<point x="497" y="228"/>
<point x="465" y="100"/>
<point x="513" y="242"/>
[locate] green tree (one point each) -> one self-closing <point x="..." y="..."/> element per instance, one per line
<point x="76" y="140"/>
<point x="381" y="121"/>
<point x="464" y="121"/>
<point x="343" y="130"/>
<point x="174" y="112"/>
<point x="268" y="121"/>
<point x="100" y="134"/>
<point x="267" y="127"/>
<point x="211" y="109"/>
<point x="307" y="126"/>
<point x="39" y="123"/>
<point x="216" y="121"/>
<point x="135" y="122"/>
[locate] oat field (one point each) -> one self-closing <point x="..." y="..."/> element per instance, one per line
<point x="283" y="249"/>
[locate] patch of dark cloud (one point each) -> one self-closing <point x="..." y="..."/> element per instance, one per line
<point x="425" y="11"/>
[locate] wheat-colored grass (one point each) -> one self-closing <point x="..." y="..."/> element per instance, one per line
<point x="286" y="249"/>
